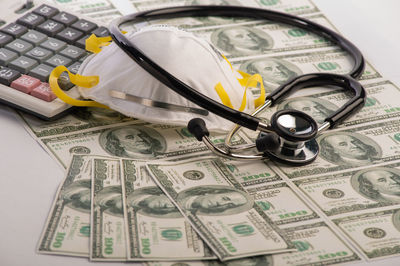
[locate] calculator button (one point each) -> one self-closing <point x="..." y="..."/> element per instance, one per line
<point x="101" y="32"/>
<point x="25" y="83"/>
<point x="8" y="75"/>
<point x="19" y="46"/>
<point x="84" y="25"/>
<point x="40" y="54"/>
<point x="23" y="64"/>
<point x="53" y="44"/>
<point x="73" y="52"/>
<point x="34" y="37"/>
<point x="41" y="72"/>
<point x="58" y="60"/>
<point x="43" y="92"/>
<point x="65" y="18"/>
<point x="81" y="43"/>
<point x="31" y="20"/>
<point x="14" y="30"/>
<point x="46" y="11"/>
<point x="69" y="35"/>
<point x="50" y="27"/>
<point x="4" y="39"/>
<point x="6" y="56"/>
<point x="74" y="68"/>
<point x="64" y="82"/>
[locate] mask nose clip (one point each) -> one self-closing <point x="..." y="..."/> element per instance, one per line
<point x="296" y="132"/>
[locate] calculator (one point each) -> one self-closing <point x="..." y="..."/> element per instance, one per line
<point x="35" y="37"/>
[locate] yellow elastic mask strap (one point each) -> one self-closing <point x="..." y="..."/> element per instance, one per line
<point x="252" y="81"/>
<point x="82" y="81"/>
<point x="223" y="95"/>
<point x="247" y="81"/>
<point x="226" y="59"/>
<point x="244" y="79"/>
<point x="93" y="43"/>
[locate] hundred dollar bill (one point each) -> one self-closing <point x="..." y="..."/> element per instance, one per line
<point x="276" y="70"/>
<point x="81" y="118"/>
<point x="355" y="190"/>
<point x="262" y="38"/>
<point x="107" y="216"/>
<point x="377" y="234"/>
<point x="156" y="230"/>
<point x="139" y="141"/>
<point x="316" y="245"/>
<point x="217" y="206"/>
<point x="281" y="204"/>
<point x="67" y="229"/>
<point x="352" y="148"/>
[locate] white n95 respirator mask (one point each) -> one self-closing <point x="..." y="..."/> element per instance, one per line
<point x="112" y="79"/>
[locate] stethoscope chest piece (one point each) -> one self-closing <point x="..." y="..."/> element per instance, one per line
<point x="294" y="141"/>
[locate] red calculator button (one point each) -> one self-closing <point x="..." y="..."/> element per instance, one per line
<point x="25" y="83"/>
<point x="43" y="92"/>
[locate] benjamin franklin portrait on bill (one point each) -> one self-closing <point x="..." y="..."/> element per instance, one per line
<point x="349" y="149"/>
<point x="151" y="201"/>
<point x="242" y="40"/>
<point x="380" y="184"/>
<point x="274" y="71"/>
<point x="214" y="200"/>
<point x="109" y="199"/>
<point x="77" y="195"/>
<point x="318" y="109"/>
<point x="138" y="142"/>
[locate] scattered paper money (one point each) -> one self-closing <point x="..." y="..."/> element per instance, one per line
<point x="344" y="207"/>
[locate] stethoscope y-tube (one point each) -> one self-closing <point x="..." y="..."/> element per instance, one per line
<point x="197" y="128"/>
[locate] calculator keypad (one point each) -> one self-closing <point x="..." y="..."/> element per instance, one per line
<point x="37" y="42"/>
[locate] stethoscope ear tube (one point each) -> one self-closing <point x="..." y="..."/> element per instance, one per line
<point x="352" y="106"/>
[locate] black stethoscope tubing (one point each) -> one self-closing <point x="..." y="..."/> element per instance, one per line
<point x="243" y="119"/>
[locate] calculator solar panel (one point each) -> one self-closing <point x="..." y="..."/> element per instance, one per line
<point x="32" y="44"/>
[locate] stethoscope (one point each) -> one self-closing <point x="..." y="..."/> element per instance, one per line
<point x="290" y="136"/>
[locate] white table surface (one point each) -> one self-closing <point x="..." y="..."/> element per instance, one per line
<point x="29" y="177"/>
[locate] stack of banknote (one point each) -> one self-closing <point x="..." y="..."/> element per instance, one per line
<point x="135" y="191"/>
